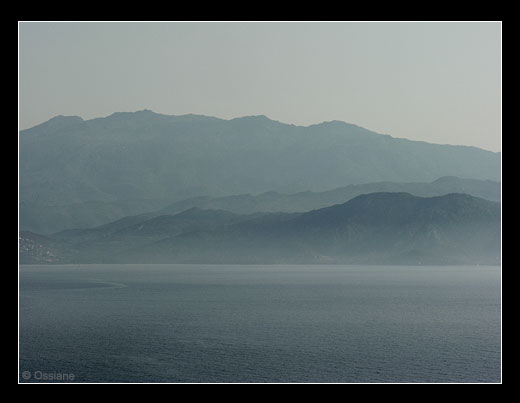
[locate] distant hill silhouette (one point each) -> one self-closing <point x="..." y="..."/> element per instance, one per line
<point x="375" y="228"/>
<point x="303" y="201"/>
<point x="144" y="155"/>
<point x="130" y="163"/>
<point x="49" y="219"/>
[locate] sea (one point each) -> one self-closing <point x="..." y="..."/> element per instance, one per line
<point x="259" y="324"/>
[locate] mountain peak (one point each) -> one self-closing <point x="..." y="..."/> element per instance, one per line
<point x="136" y="114"/>
<point x="58" y="123"/>
<point x="66" y="118"/>
<point x="253" y="118"/>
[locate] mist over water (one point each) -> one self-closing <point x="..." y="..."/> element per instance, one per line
<point x="233" y="323"/>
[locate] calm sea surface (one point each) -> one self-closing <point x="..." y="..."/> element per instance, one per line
<point x="205" y="323"/>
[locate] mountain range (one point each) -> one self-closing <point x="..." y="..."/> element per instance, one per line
<point x="50" y="219"/>
<point x="375" y="228"/>
<point x="84" y="173"/>
<point x="151" y="188"/>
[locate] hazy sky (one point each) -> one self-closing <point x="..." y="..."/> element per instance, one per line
<point x="433" y="81"/>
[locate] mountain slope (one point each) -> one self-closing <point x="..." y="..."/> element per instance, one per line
<point x="144" y="155"/>
<point x="49" y="219"/>
<point x="304" y="201"/>
<point x="379" y="228"/>
<point x="376" y="228"/>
